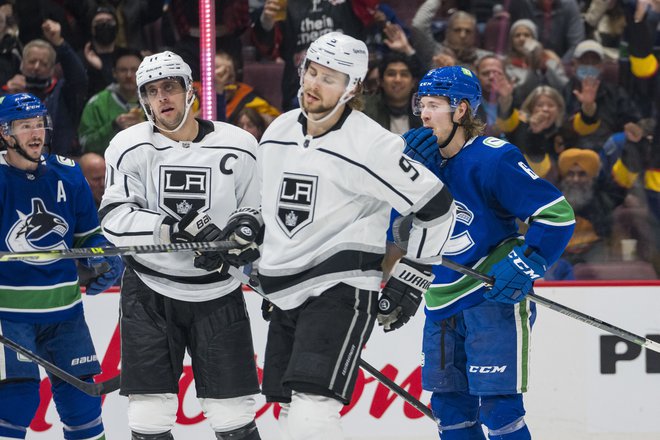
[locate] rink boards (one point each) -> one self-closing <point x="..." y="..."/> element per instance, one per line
<point x="585" y="383"/>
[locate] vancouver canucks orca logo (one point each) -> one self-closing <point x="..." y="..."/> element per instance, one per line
<point x="39" y="230"/>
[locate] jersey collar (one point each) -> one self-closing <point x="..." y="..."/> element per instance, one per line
<point x="302" y="120"/>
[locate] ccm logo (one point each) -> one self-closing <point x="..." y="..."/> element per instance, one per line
<point x="523" y="266"/>
<point x="83" y="360"/>
<point x="614" y="349"/>
<point x="485" y="369"/>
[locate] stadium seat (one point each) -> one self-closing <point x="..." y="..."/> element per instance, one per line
<point x="266" y="78"/>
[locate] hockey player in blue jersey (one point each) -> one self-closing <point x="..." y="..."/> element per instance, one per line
<point x="477" y="339"/>
<point x="45" y="204"/>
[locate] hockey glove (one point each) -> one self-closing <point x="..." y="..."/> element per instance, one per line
<point x="515" y="275"/>
<point x="194" y="226"/>
<point x="98" y="274"/>
<point x="402" y="294"/>
<point x="244" y="226"/>
<point x="267" y="308"/>
<point x="422" y="146"/>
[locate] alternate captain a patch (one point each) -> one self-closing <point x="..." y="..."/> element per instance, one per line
<point x="183" y="189"/>
<point x="295" y="205"/>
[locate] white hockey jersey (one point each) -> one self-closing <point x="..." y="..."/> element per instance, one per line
<point x="150" y="177"/>
<point x="326" y="204"/>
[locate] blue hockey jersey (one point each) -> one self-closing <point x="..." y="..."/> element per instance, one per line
<point x="49" y="208"/>
<point x="493" y="186"/>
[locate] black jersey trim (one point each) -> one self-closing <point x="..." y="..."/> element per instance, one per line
<point x="436" y="207"/>
<point x="210" y="278"/>
<point x="106" y="209"/>
<point x="128" y="150"/>
<point x="340" y="262"/>
<point x="278" y="143"/>
<point x="128" y="234"/>
<point x="376" y="176"/>
<point x="228" y="147"/>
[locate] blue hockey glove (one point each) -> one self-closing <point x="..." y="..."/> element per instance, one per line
<point x="515" y="275"/>
<point x="402" y="294"/>
<point x="244" y="226"/>
<point x="422" y="146"/>
<point x="98" y="274"/>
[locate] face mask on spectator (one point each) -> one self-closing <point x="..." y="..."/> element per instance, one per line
<point x="105" y="32"/>
<point x="36" y="83"/>
<point x="583" y="71"/>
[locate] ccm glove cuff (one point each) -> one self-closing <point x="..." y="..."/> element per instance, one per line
<point x="402" y="294"/>
<point x="515" y="275"/>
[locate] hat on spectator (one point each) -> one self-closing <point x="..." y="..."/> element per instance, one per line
<point x="588" y="160"/>
<point x="589" y="46"/>
<point x="529" y="24"/>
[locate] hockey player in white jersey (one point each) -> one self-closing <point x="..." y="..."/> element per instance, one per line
<point x="175" y="178"/>
<point x="329" y="177"/>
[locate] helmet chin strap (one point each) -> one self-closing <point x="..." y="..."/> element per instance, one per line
<point x="16" y="147"/>
<point x="152" y="118"/>
<point x="451" y="135"/>
<point x="343" y="100"/>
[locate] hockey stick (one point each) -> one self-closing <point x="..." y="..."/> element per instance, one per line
<point x="93" y="389"/>
<point x="380" y="377"/>
<point x="55" y="254"/>
<point x="571" y="313"/>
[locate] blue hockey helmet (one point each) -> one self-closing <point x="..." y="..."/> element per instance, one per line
<point x="20" y="106"/>
<point x="453" y="82"/>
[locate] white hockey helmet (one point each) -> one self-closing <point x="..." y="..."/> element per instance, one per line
<point x="342" y="53"/>
<point x="161" y="66"/>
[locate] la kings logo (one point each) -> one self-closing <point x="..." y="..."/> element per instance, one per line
<point x="183" y="189"/>
<point x="295" y="206"/>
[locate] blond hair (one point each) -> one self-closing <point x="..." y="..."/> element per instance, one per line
<point x="527" y="107"/>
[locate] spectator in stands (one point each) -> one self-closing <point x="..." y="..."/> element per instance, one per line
<point x="98" y="53"/>
<point x="305" y="21"/>
<point x="65" y="96"/>
<point x="114" y="108"/>
<point x="497" y="106"/>
<point x="559" y="23"/>
<point x="529" y="63"/>
<point x="73" y="17"/>
<point x="592" y="200"/>
<point x="10" y="50"/>
<point x="460" y="36"/>
<point x="541" y="116"/>
<point x="596" y="109"/>
<point x="231" y="20"/>
<point x="237" y="95"/>
<point x="93" y="168"/>
<point x="251" y="121"/>
<point x="378" y="35"/>
<point x="390" y="106"/>
<point x="133" y="20"/>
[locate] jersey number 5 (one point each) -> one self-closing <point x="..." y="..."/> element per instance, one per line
<point x="407" y="168"/>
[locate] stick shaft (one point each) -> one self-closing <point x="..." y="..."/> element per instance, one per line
<point x="571" y="313"/>
<point x="55" y="254"/>
<point x="93" y="389"/>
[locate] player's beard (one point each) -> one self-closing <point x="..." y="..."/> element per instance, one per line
<point x="318" y="110"/>
<point x="578" y="195"/>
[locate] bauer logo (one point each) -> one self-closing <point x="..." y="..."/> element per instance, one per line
<point x="183" y="189"/>
<point x="296" y="201"/>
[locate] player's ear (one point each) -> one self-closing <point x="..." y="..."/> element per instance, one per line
<point x="461" y="111"/>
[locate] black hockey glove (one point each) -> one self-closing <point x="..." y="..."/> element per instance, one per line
<point x="194" y="226"/>
<point x="244" y="227"/>
<point x="402" y="294"/>
<point x="267" y="309"/>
